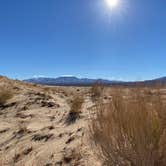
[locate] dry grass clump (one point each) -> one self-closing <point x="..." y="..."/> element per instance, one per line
<point x="131" y="131"/>
<point x="46" y="90"/>
<point x="5" y="95"/>
<point x="77" y="104"/>
<point x="97" y="91"/>
<point x="75" y="110"/>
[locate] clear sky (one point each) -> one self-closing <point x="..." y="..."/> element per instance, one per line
<point x="83" y="38"/>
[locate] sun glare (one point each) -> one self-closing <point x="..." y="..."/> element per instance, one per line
<point x="112" y="3"/>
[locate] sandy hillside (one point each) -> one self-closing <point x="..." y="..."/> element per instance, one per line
<point x="33" y="128"/>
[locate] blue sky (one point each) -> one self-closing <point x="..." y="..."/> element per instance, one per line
<point x="83" y="38"/>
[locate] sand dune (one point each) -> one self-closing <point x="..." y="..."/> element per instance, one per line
<point x="33" y="131"/>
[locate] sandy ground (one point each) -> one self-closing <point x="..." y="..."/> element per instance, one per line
<point x="33" y="131"/>
<point x="33" y="128"/>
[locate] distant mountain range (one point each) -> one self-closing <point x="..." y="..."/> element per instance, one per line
<point x="74" y="81"/>
<point x="68" y="81"/>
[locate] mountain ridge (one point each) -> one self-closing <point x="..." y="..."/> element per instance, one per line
<point x="75" y="81"/>
<point x="66" y="81"/>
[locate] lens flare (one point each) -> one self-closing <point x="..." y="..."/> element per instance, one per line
<point x="112" y="3"/>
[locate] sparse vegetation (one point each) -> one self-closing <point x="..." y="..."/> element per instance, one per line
<point x="75" y="110"/>
<point x="46" y="90"/>
<point x="97" y="91"/>
<point x="5" y="95"/>
<point x="130" y="131"/>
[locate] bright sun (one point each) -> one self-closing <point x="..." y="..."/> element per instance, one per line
<point x="112" y="3"/>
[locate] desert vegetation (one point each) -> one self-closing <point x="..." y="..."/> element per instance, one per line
<point x="75" y="110"/>
<point x="96" y="91"/>
<point x="49" y="125"/>
<point x="130" y="130"/>
<point x="5" y="95"/>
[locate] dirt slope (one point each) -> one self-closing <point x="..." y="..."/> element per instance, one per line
<point x="33" y="131"/>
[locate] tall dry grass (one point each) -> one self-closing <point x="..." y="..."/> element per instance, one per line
<point x="130" y="130"/>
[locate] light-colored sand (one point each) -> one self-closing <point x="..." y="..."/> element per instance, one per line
<point x="33" y="131"/>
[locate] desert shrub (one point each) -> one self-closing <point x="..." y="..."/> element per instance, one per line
<point x="75" y="110"/>
<point x="5" y="95"/>
<point x="46" y="89"/>
<point x="96" y="91"/>
<point x="130" y="131"/>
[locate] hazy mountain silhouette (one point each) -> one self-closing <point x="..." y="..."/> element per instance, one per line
<point x="68" y="81"/>
<point x="73" y="81"/>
